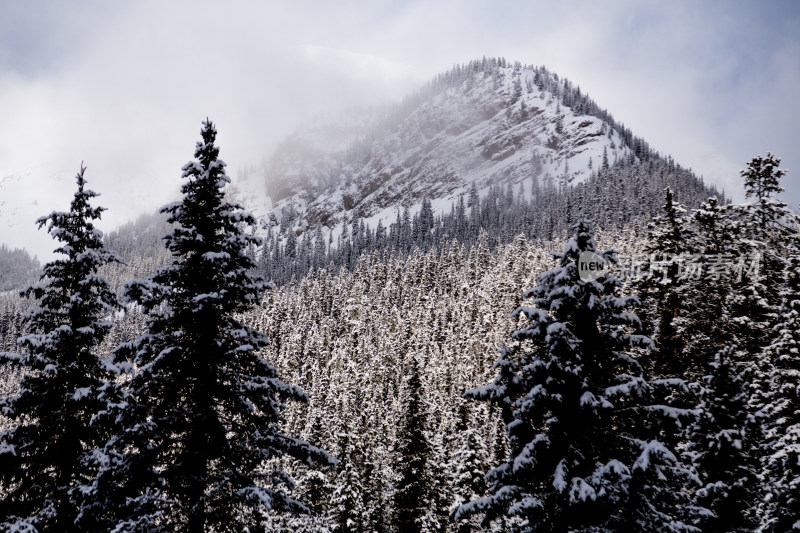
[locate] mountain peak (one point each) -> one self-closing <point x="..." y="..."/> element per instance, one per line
<point x="484" y="123"/>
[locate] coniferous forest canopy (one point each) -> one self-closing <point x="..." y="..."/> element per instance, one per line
<point x="453" y="371"/>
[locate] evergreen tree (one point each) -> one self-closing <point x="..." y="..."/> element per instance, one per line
<point x="201" y="436"/>
<point x="412" y="456"/>
<point x="347" y="507"/>
<point x="426" y="222"/>
<point x="761" y="184"/>
<point x="314" y="486"/>
<point x="438" y="487"/>
<point x="50" y="456"/>
<point x="706" y="324"/>
<point x="670" y="243"/>
<point x="767" y="231"/>
<point x="576" y="411"/>
<point x="781" y="511"/>
<point x="721" y="447"/>
<point x="468" y="466"/>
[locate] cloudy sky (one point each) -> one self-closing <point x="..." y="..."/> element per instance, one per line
<point x="124" y="86"/>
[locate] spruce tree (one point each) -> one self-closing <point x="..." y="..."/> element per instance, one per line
<point x="468" y="466"/>
<point x="577" y="414"/>
<point x="762" y="185"/>
<point x="707" y="324"/>
<point x="439" y="485"/>
<point x="670" y="244"/>
<point x="201" y="436"/>
<point x="412" y="456"/>
<point x="50" y="456"/>
<point x="347" y="508"/>
<point x="721" y="444"/>
<point x="767" y="232"/>
<point x="781" y="511"/>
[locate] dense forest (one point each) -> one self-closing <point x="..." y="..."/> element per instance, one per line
<point x="621" y="195"/>
<point x="457" y="372"/>
<point x="17" y="268"/>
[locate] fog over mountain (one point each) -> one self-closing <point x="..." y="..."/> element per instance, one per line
<point x="709" y="84"/>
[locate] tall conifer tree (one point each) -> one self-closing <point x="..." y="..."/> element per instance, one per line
<point x="202" y="431"/>
<point x="48" y="458"/>
<point x="577" y="414"/>
<point x="781" y="511"/>
<point x="413" y="455"/>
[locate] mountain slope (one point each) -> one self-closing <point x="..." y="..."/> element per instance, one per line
<point x="486" y="123"/>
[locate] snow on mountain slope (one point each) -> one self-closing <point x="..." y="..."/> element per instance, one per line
<point x="499" y="126"/>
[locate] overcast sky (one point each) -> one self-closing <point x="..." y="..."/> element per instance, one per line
<point x="124" y="86"/>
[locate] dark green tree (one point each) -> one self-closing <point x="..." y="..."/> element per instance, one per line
<point x="52" y="453"/>
<point x="721" y="444"/>
<point x="578" y="414"/>
<point x="201" y="434"/>
<point x="413" y="450"/>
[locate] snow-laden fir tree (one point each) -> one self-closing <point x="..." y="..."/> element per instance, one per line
<point x="781" y="511"/>
<point x="767" y="229"/>
<point x="49" y="457"/>
<point x="468" y="467"/>
<point x="704" y="324"/>
<point x="721" y="444"/>
<point x="201" y="436"/>
<point x="347" y="506"/>
<point x="314" y="486"/>
<point x="440" y="483"/>
<point x="762" y="185"/>
<point x="413" y="451"/>
<point x="670" y="241"/>
<point x="583" y="457"/>
<point x="693" y="297"/>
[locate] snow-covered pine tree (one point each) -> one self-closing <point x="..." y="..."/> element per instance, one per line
<point x="314" y="487"/>
<point x="707" y="324"/>
<point x="670" y="240"/>
<point x="468" y="467"/>
<point x="347" y="508"/>
<point x="767" y="229"/>
<point x="439" y="485"/>
<point x="48" y="458"/>
<point x="693" y="301"/>
<point x="721" y="445"/>
<point x="762" y="185"/>
<point x="576" y="411"/>
<point x="781" y="511"/>
<point x="670" y="292"/>
<point x="201" y="436"/>
<point x="413" y="450"/>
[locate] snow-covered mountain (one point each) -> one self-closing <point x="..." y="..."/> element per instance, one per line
<point x="485" y="123"/>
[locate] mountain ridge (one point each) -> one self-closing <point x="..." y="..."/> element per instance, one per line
<point x="487" y="123"/>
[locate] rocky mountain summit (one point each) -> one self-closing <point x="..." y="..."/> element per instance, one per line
<point x="483" y="124"/>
